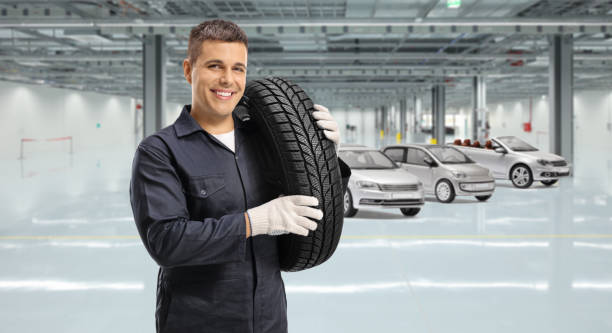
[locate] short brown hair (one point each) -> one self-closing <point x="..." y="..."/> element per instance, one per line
<point x="220" y="30"/>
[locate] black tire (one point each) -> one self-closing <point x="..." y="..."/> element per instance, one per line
<point x="309" y="166"/>
<point x="483" y="197"/>
<point x="446" y="198"/>
<point x="549" y="182"/>
<point x="349" y="210"/>
<point x="521" y="176"/>
<point x="410" y="211"/>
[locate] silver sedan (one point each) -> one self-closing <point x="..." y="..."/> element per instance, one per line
<point x="378" y="182"/>
<point x="444" y="171"/>
<point x="511" y="158"/>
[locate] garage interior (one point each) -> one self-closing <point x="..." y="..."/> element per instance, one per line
<point x="82" y="82"/>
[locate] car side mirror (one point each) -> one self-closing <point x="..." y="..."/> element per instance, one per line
<point x="500" y="150"/>
<point x="428" y="161"/>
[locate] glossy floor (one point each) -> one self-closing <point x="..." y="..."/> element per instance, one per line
<point x="535" y="260"/>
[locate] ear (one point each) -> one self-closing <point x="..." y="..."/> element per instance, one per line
<point x="187" y="70"/>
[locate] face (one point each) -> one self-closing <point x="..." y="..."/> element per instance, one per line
<point x="217" y="78"/>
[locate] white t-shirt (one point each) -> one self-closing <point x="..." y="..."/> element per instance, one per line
<point x="227" y="139"/>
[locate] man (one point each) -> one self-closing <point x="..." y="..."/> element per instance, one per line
<point x="205" y="203"/>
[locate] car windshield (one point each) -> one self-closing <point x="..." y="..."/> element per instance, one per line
<point x="366" y="159"/>
<point x="516" y="144"/>
<point x="449" y="155"/>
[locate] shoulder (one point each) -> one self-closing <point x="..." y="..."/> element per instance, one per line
<point x="160" y="142"/>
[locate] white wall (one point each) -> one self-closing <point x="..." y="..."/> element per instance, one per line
<point x="95" y="121"/>
<point x="365" y="122"/>
<point x="508" y="119"/>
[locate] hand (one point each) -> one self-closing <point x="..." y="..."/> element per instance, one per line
<point x="328" y="124"/>
<point x="285" y="215"/>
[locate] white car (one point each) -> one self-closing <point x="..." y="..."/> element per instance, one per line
<point x="376" y="181"/>
<point x="445" y="171"/>
<point x="508" y="157"/>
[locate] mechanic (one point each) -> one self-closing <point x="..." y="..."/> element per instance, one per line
<point x="207" y="206"/>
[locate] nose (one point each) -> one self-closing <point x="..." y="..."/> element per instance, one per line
<point x="226" y="77"/>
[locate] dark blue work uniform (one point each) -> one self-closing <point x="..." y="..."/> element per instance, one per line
<point x="189" y="193"/>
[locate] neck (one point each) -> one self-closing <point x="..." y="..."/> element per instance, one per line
<point x="211" y="123"/>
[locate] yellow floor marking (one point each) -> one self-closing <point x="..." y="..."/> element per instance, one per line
<point x="347" y="237"/>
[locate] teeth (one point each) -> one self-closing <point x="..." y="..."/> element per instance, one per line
<point x="224" y="94"/>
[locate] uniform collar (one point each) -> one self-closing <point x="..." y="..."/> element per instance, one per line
<point x="185" y="124"/>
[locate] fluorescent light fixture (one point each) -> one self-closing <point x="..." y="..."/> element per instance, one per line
<point x="32" y="63"/>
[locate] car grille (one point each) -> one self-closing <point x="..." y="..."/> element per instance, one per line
<point x="398" y="188"/>
<point x="559" y="163"/>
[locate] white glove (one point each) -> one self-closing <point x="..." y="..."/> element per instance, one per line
<point x="328" y="124"/>
<point x="284" y="215"/>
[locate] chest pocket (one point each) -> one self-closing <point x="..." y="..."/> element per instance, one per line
<point x="206" y="196"/>
<point x="205" y="186"/>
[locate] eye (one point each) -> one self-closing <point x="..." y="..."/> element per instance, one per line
<point x="214" y="66"/>
<point x="239" y="69"/>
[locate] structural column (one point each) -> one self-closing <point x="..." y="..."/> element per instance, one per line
<point x="418" y="113"/>
<point x="154" y="83"/>
<point x="561" y="96"/>
<point x="479" y="103"/>
<point x="403" y="110"/>
<point x="384" y="121"/>
<point x="438" y="109"/>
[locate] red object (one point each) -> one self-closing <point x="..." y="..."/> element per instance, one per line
<point x="60" y="139"/>
<point x="527" y="127"/>
<point x="138" y="106"/>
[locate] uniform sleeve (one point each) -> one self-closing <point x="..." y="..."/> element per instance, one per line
<point x="160" y="212"/>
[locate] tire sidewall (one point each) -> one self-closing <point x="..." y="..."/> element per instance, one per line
<point x="351" y="211"/>
<point x="451" y="196"/>
<point x="528" y="184"/>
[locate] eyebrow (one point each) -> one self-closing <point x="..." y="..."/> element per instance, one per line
<point x="221" y="62"/>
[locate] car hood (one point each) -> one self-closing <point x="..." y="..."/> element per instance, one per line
<point x="541" y="155"/>
<point x="384" y="176"/>
<point x="470" y="169"/>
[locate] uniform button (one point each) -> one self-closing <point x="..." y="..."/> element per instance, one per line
<point x="202" y="192"/>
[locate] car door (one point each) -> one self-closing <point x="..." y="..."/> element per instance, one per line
<point x="496" y="162"/>
<point x="416" y="165"/>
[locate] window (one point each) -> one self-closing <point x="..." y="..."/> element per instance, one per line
<point x="366" y="159"/>
<point x="416" y="156"/>
<point x="396" y="154"/>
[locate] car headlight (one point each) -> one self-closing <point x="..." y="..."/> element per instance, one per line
<point x="459" y="174"/>
<point x="367" y="184"/>
<point x="490" y="173"/>
<point x="544" y="162"/>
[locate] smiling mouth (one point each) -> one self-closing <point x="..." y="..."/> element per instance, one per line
<point x="223" y="93"/>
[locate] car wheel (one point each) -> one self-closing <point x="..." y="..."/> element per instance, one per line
<point x="521" y="176"/>
<point x="483" y="197"/>
<point x="349" y="211"/>
<point x="549" y="182"/>
<point x="410" y="211"/>
<point x="444" y="191"/>
<point x="283" y="113"/>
